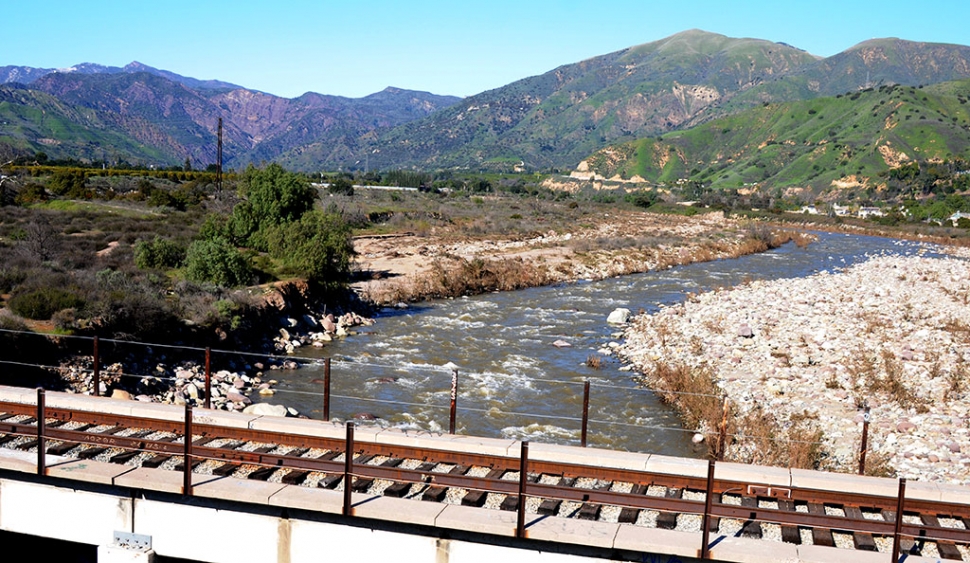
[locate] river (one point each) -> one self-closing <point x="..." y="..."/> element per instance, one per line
<point x="513" y="381"/>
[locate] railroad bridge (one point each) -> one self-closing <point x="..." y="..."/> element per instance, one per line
<point x="120" y="475"/>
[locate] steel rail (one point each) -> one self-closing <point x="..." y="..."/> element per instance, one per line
<point x="201" y="427"/>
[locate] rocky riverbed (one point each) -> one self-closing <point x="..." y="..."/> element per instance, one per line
<point x="181" y="382"/>
<point x="892" y="333"/>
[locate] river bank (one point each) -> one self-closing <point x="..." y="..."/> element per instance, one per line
<point x="409" y="268"/>
<point x="809" y="353"/>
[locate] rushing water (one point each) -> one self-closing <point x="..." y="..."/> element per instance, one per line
<point x="513" y="381"/>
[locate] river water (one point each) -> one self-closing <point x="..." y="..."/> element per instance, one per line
<point x="513" y="381"/>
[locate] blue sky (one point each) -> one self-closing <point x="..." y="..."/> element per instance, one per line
<point x="357" y="47"/>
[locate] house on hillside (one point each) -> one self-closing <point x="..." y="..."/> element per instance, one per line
<point x="866" y="212"/>
<point x="955" y="218"/>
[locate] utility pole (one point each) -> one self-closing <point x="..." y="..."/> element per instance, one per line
<point x="219" y="159"/>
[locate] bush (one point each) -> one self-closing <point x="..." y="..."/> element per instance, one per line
<point x="158" y="253"/>
<point x="317" y="247"/>
<point x="273" y="197"/>
<point x="216" y="261"/>
<point x="41" y="303"/>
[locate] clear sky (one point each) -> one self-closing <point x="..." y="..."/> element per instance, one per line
<point x="459" y="47"/>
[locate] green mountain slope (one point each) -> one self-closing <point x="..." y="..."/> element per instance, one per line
<point x="32" y="121"/>
<point x="556" y="118"/>
<point x="842" y="140"/>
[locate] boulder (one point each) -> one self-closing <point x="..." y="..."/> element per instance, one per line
<point x="619" y="316"/>
<point x="120" y="394"/>
<point x="266" y="409"/>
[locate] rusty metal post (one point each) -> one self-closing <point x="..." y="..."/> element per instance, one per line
<point x="722" y="433"/>
<point x="96" y="378"/>
<point x="326" y="390"/>
<point x="523" y="479"/>
<point x="708" y="501"/>
<point x="582" y="438"/>
<point x="454" y="401"/>
<point x="208" y="378"/>
<point x="899" y="519"/>
<point x="864" y="447"/>
<point x="187" y="455"/>
<point x="348" y="469"/>
<point x="41" y="429"/>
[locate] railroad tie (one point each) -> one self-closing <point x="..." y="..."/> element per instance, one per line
<point x="362" y="484"/>
<point x="477" y="498"/>
<point x="511" y="502"/>
<point x="863" y="540"/>
<point x="550" y="506"/>
<point x="400" y="490"/>
<point x="820" y="536"/>
<point x="630" y="515"/>
<point x="437" y="494"/>
<point x="295" y="477"/>
<point x="751" y="528"/>
<point x="591" y="511"/>
<point x="715" y="521"/>
<point x="125" y="457"/>
<point x="668" y="520"/>
<point x="789" y="533"/>
<point x="906" y="545"/>
<point x="32" y="443"/>
<point x="947" y="549"/>
<point x="158" y="459"/>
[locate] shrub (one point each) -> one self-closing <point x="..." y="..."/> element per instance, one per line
<point x="216" y="261"/>
<point x="158" y="253"/>
<point x="317" y="247"/>
<point x="41" y="303"/>
<point x="273" y="197"/>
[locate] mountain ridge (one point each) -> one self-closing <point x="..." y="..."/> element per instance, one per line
<point x="548" y="121"/>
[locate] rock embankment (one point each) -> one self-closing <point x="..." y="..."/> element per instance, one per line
<point x="893" y="333"/>
<point x="233" y="389"/>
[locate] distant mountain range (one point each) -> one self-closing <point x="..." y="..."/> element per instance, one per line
<point x="550" y="121"/>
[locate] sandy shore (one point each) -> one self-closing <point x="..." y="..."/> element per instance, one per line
<point x="398" y="268"/>
<point x="893" y="332"/>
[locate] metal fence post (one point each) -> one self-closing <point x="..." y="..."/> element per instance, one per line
<point x="187" y="449"/>
<point x="864" y="447"/>
<point x="454" y="401"/>
<point x="583" y="435"/>
<point x="722" y="433"/>
<point x="708" y="501"/>
<point x="326" y="390"/>
<point x="96" y="377"/>
<point x="348" y="469"/>
<point x="899" y="519"/>
<point x="41" y="428"/>
<point x="523" y="479"/>
<point x="208" y="377"/>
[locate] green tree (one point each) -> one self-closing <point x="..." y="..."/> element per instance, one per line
<point x="317" y="247"/>
<point x="274" y="197"/>
<point x="158" y="253"/>
<point x="217" y="261"/>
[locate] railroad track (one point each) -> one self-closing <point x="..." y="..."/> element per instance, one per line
<point x="711" y="500"/>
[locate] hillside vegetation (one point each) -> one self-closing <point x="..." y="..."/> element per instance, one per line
<point x="846" y="141"/>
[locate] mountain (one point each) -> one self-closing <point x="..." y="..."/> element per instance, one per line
<point x="556" y="119"/>
<point x="550" y="121"/>
<point x="845" y="141"/>
<point x="27" y="75"/>
<point x="177" y="120"/>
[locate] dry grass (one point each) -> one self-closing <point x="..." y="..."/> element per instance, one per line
<point x="756" y="437"/>
<point x="594" y="361"/>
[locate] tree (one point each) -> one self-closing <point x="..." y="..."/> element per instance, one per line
<point x="216" y="261"/>
<point x="317" y="247"/>
<point x="274" y="197"/>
